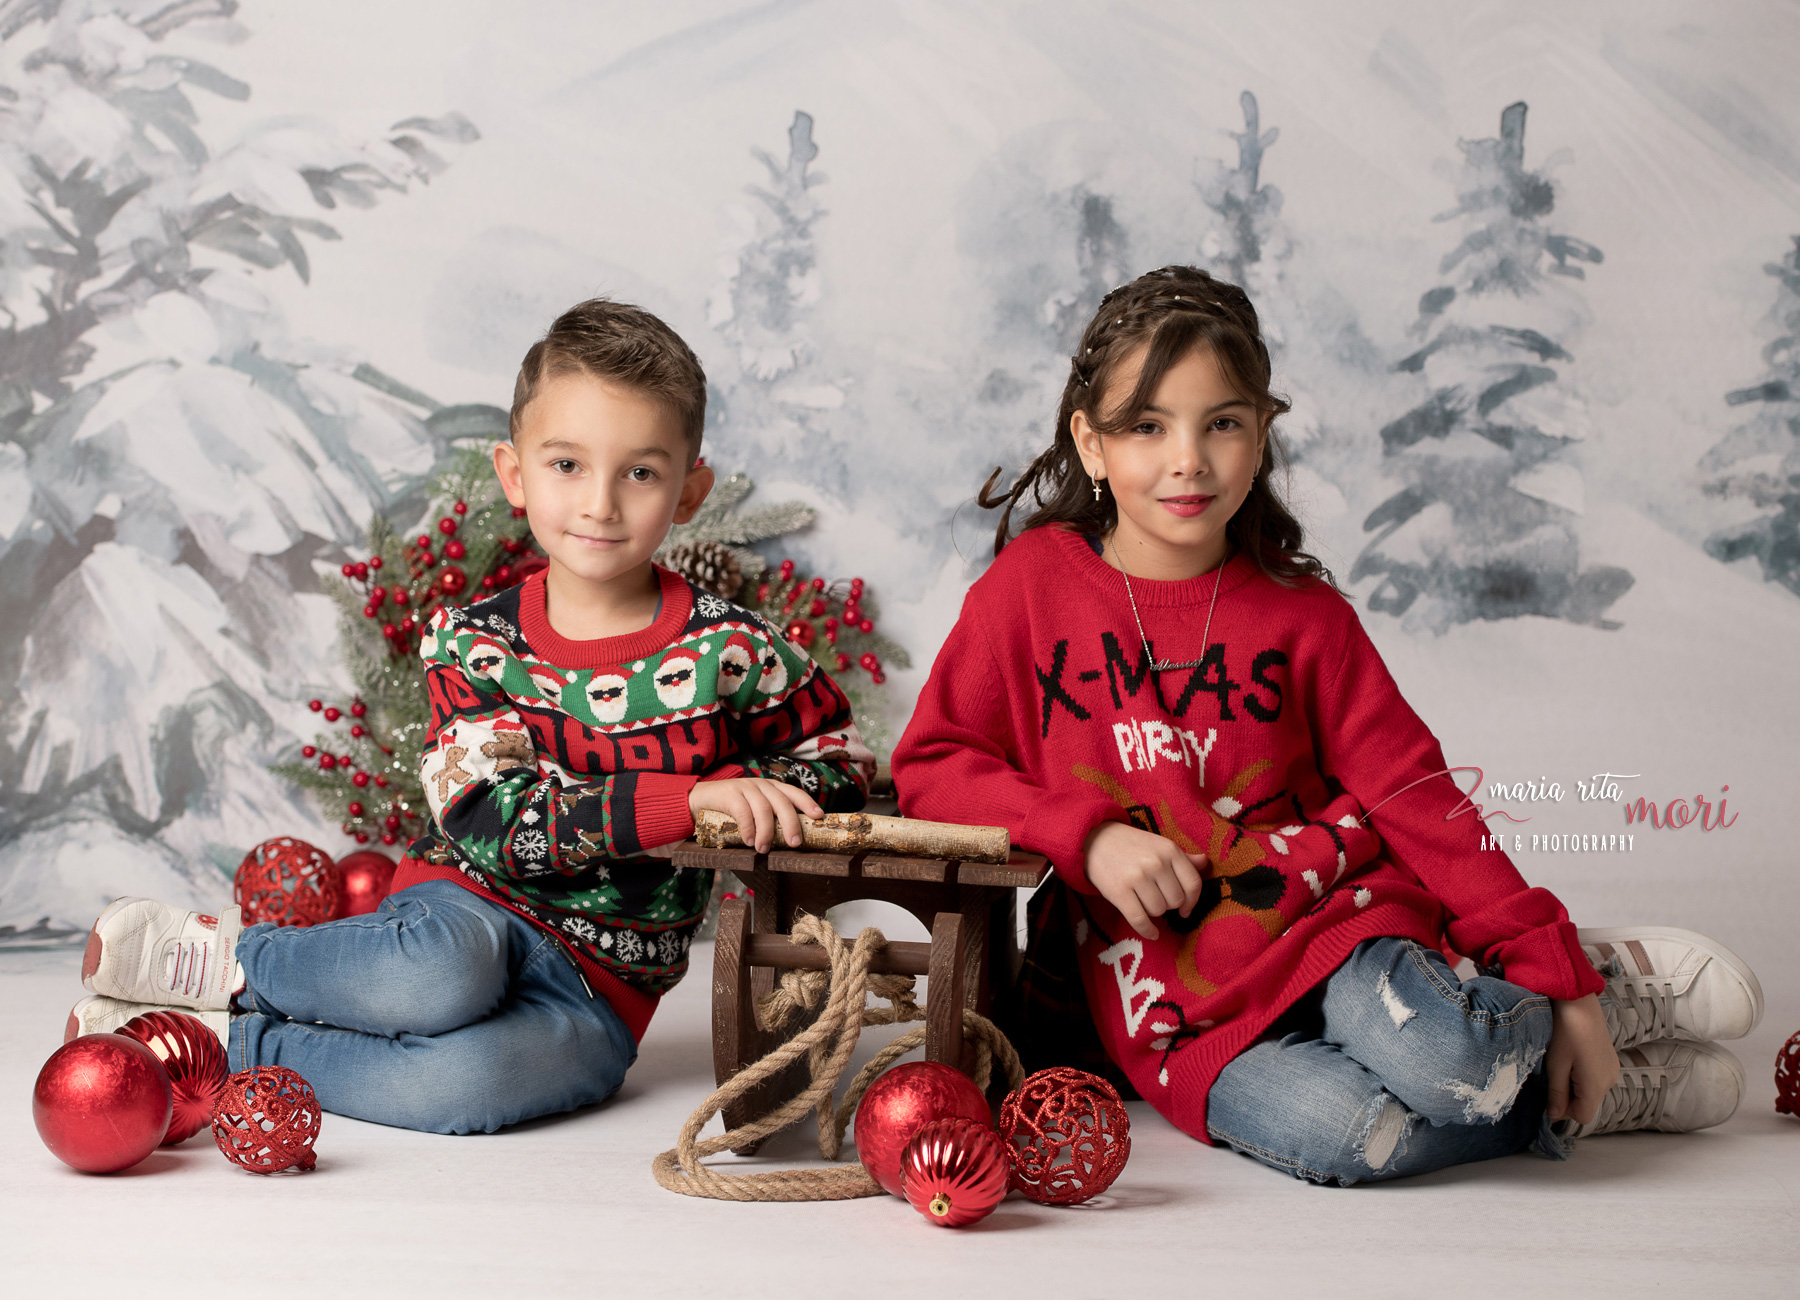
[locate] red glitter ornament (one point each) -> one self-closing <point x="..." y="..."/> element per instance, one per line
<point x="903" y="1101"/>
<point x="364" y="879"/>
<point x="286" y="881"/>
<point x="954" y="1171"/>
<point x="102" y="1103"/>
<point x="195" y="1062"/>
<point x="267" y="1120"/>
<point x="1068" y="1135"/>
<point x="452" y="580"/>
<point x="800" y="632"/>
<point x="1787" y="1077"/>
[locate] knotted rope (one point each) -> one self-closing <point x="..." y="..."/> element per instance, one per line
<point x="827" y="1044"/>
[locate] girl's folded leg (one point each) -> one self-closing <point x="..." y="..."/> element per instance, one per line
<point x="430" y="959"/>
<point x="550" y="1047"/>
<point x="1453" y="1051"/>
<point x="1303" y="1106"/>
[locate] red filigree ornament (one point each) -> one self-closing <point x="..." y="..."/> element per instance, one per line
<point x="364" y="878"/>
<point x="1787" y="1077"/>
<point x="955" y="1171"/>
<point x="194" y="1060"/>
<point x="900" y="1103"/>
<point x="266" y="1120"/>
<point x="102" y="1103"/>
<point x="286" y="881"/>
<point x="1068" y="1135"/>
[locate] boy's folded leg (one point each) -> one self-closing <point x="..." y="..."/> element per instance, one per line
<point x="430" y="959"/>
<point x="1303" y="1106"/>
<point x="1663" y="982"/>
<point x="550" y="1047"/>
<point x="1454" y="1051"/>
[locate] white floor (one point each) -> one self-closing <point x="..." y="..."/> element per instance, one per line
<point x="568" y="1207"/>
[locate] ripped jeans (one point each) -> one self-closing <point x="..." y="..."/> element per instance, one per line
<point x="1412" y="1070"/>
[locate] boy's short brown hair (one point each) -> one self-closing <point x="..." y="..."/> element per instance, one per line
<point x="627" y="345"/>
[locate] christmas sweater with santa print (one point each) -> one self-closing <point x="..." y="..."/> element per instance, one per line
<point x="552" y="767"/>
<point x="1287" y="756"/>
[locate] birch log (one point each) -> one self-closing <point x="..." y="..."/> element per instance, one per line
<point x="855" y="832"/>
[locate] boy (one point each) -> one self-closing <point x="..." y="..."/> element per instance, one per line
<point x="578" y="721"/>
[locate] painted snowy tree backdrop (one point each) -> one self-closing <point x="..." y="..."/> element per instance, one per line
<point x="1485" y="526"/>
<point x="1757" y="465"/>
<point x="174" y="456"/>
<point x="230" y="309"/>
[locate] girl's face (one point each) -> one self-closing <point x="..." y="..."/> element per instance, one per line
<point x="1181" y="469"/>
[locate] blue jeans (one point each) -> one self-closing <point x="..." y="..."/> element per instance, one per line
<point x="439" y="1011"/>
<point x="1411" y="1070"/>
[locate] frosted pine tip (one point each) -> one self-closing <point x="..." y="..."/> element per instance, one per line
<point x="940" y="1205"/>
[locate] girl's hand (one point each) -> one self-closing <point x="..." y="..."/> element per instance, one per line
<point x="1581" y="1065"/>
<point x="1142" y="874"/>
<point x="757" y="805"/>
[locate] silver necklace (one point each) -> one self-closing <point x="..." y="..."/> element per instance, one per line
<point x="1163" y="665"/>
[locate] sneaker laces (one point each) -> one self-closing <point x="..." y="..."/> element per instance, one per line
<point x="1650" y="1002"/>
<point x="185" y="963"/>
<point x="1634" y="1102"/>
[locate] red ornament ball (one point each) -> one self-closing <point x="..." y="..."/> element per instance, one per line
<point x="446" y="525"/>
<point x="374" y="561"/>
<point x="287" y="881"/>
<point x="843" y="661"/>
<point x="102" y="1103"/>
<point x="364" y="879"/>
<point x="1787" y="1077"/>
<point x="867" y="625"/>
<point x="307" y="751"/>
<point x="348" y="570"/>
<point x="332" y="715"/>
<point x="315" y="705"/>
<point x="360" y="780"/>
<point x="267" y="1120"/>
<point x="1068" y="1134"/>
<point x="455" y="550"/>
<point x="358" y="709"/>
<point x="327" y="761"/>
<point x="955" y="1171"/>
<point x="787" y="570"/>
<point x="800" y="632"/>
<point x="424" y="540"/>
<point x="869" y="660"/>
<point x="195" y="1061"/>
<point x="452" y="580"/>
<point x="461" y="507"/>
<point x="900" y="1103"/>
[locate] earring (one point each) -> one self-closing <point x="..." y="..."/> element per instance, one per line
<point x="1096" y="487"/>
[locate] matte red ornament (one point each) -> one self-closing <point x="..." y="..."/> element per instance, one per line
<point x="195" y="1061"/>
<point x="900" y="1103"/>
<point x="1067" y="1133"/>
<point x="287" y="881"/>
<point x="266" y="1120"/>
<point x="1787" y="1077"/>
<point x="446" y="525"/>
<point x="332" y="715"/>
<point x="955" y="1171"/>
<point x="364" y="879"/>
<point x="374" y="561"/>
<point x="455" y="550"/>
<point x="102" y="1103"/>
<point x="461" y="507"/>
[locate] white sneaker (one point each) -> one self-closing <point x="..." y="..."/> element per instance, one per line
<point x="1668" y="983"/>
<point x="1668" y="1086"/>
<point x="95" y="1014"/>
<point x="144" y="951"/>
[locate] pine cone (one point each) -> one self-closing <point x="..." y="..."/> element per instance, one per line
<point x="708" y="564"/>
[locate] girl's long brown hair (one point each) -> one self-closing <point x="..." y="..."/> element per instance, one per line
<point x="1173" y="310"/>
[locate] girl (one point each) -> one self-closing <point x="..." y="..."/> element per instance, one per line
<point x="1256" y="840"/>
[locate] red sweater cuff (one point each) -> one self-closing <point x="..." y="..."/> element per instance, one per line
<point x="659" y="807"/>
<point x="1549" y="960"/>
<point x="1058" y="825"/>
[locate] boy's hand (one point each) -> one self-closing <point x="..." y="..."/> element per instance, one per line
<point x="1141" y="874"/>
<point x="1580" y="1065"/>
<point x="757" y="805"/>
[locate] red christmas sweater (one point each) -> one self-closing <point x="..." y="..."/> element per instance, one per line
<point x="1288" y="757"/>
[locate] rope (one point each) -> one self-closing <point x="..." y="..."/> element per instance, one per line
<point x="841" y="996"/>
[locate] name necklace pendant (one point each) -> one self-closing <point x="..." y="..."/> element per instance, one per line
<point x="1163" y="665"/>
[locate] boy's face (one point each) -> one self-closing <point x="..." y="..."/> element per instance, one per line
<point x="602" y="472"/>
